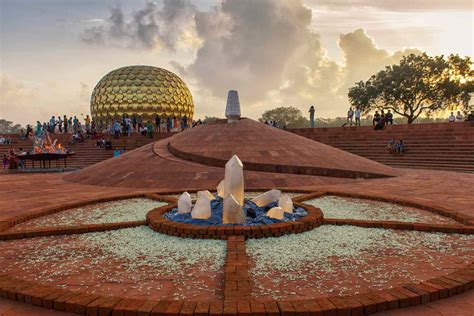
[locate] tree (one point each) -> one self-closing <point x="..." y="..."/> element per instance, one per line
<point x="288" y="116"/>
<point x="420" y="84"/>
<point x="210" y="119"/>
<point x="7" y="127"/>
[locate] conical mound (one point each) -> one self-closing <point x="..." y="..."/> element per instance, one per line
<point x="268" y="149"/>
<point x="195" y="159"/>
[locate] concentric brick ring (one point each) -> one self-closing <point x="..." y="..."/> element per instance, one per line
<point x="160" y="224"/>
<point x="238" y="282"/>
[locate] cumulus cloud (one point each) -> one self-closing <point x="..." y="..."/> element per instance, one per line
<point x="153" y="25"/>
<point x="266" y="49"/>
<point x="397" y="5"/>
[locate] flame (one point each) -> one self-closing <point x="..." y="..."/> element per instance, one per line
<point x="50" y="149"/>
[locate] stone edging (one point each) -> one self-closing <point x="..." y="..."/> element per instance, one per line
<point x="237" y="301"/>
<point x="453" y="229"/>
<point x="158" y="223"/>
<point x="68" y="230"/>
<point x="288" y="169"/>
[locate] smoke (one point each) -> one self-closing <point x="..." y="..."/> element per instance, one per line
<point x="146" y="28"/>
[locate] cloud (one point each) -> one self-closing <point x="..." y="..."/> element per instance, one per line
<point x="150" y="27"/>
<point x="363" y="58"/>
<point x="248" y="45"/>
<point x="266" y="49"/>
<point x="397" y="5"/>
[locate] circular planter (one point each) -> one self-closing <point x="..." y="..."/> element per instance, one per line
<point x="160" y="224"/>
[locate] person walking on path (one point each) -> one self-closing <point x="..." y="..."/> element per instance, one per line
<point x="311" y="116"/>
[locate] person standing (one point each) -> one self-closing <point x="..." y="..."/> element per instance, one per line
<point x="350" y="115"/>
<point x="52" y="124"/>
<point x="75" y="124"/>
<point x="452" y="118"/>
<point x="357" y="117"/>
<point x="134" y="122"/>
<point x="389" y="118"/>
<point x="65" y="124"/>
<point x="158" y="123"/>
<point x="459" y="117"/>
<point x="311" y="116"/>
<point x="88" y="124"/>
<point x="149" y="129"/>
<point x="140" y="122"/>
<point x="60" y="124"/>
<point x="116" y="129"/>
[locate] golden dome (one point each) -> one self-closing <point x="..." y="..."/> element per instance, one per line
<point x="141" y="90"/>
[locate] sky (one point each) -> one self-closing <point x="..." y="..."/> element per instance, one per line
<point x="274" y="52"/>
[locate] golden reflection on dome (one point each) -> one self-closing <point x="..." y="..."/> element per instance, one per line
<point x="141" y="90"/>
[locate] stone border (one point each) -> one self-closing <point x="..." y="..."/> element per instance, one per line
<point x="68" y="230"/>
<point x="237" y="284"/>
<point x="459" y="217"/>
<point x="288" y="169"/>
<point x="237" y="301"/>
<point x="449" y="229"/>
<point x="162" y="225"/>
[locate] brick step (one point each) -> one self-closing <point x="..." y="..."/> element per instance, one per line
<point x="468" y="164"/>
<point x="414" y="151"/>
<point x="430" y="164"/>
<point x="443" y="168"/>
<point x="411" y="146"/>
<point x="408" y="157"/>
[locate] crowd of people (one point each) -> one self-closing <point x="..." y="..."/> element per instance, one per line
<point x="92" y="129"/>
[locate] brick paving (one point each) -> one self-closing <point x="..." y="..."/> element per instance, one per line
<point x="152" y="168"/>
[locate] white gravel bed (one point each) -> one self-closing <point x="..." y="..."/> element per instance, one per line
<point x="137" y="259"/>
<point x="101" y="213"/>
<point x="362" y="209"/>
<point x="328" y="252"/>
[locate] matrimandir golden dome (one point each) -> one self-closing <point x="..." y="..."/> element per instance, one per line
<point x="141" y="90"/>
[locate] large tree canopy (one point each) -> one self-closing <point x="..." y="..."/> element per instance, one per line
<point x="7" y="127"/>
<point x="420" y="84"/>
<point x="287" y="116"/>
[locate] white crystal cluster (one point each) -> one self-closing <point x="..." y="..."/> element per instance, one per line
<point x="362" y="209"/>
<point x="232" y="190"/>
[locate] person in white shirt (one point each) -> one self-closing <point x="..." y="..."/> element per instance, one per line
<point x="459" y="117"/>
<point x="451" y="118"/>
<point x="357" y="117"/>
<point x="350" y="115"/>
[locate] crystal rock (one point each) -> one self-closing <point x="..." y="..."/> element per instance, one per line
<point x="286" y="203"/>
<point x="232" y="109"/>
<point x="207" y="194"/>
<point x="185" y="203"/>
<point x="234" y="179"/>
<point x="202" y="208"/>
<point x="220" y="188"/>
<point x="233" y="213"/>
<point x="267" y="197"/>
<point x="275" y="212"/>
